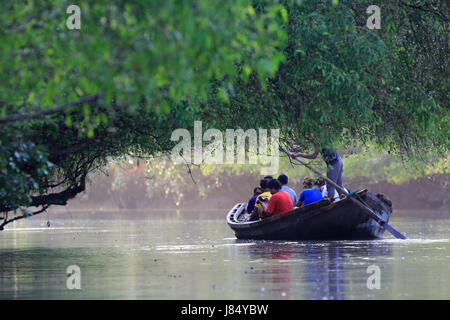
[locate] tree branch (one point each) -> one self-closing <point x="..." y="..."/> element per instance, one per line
<point x="25" y="116"/>
<point x="23" y="216"/>
<point x="442" y="16"/>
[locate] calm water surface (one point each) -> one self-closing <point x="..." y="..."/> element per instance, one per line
<point x="174" y="258"/>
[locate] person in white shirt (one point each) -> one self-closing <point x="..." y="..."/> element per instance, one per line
<point x="323" y="188"/>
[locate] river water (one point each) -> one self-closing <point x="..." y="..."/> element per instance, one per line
<point x="168" y="256"/>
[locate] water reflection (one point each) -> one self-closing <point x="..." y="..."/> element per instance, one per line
<point x="201" y="259"/>
<point x="325" y="278"/>
<point x="316" y="270"/>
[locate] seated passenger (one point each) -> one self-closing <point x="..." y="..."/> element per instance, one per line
<point x="284" y="181"/>
<point x="279" y="203"/>
<point x="323" y="188"/>
<point x="265" y="194"/>
<point x="251" y="203"/>
<point x="310" y="193"/>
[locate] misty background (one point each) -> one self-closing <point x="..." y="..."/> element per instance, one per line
<point x="138" y="187"/>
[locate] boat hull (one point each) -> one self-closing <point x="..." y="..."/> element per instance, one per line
<point x="342" y="220"/>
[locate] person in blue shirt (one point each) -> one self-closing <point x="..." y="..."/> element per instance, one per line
<point x="284" y="181"/>
<point x="310" y="193"/>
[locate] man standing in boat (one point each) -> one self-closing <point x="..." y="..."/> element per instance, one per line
<point x="334" y="166"/>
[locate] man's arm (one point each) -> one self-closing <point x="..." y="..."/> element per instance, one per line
<point x="254" y="213"/>
<point x="263" y="213"/>
<point x="296" y="152"/>
<point x="301" y="198"/>
<point x="307" y="156"/>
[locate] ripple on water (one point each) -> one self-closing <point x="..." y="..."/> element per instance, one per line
<point x="416" y="241"/>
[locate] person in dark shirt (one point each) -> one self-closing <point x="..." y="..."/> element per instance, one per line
<point x="265" y="194"/>
<point x="251" y="203"/>
<point x="334" y="167"/>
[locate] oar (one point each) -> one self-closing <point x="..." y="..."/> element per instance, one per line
<point x="364" y="207"/>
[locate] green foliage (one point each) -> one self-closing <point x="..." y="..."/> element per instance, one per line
<point x="16" y="156"/>
<point x="140" y="61"/>
<point x="341" y="82"/>
<point x="71" y="100"/>
<point x="129" y="50"/>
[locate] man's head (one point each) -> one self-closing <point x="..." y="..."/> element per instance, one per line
<point x="320" y="182"/>
<point x="308" y="183"/>
<point x="283" y="179"/>
<point x="263" y="184"/>
<point x="268" y="178"/>
<point x="316" y="184"/>
<point x="274" y="185"/>
<point x="257" y="191"/>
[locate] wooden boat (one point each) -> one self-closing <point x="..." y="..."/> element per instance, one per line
<point x="321" y="220"/>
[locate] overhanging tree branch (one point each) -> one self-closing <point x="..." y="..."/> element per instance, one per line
<point x="24" y="116"/>
<point x="45" y="207"/>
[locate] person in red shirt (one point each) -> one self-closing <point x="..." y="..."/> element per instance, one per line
<point x="279" y="203"/>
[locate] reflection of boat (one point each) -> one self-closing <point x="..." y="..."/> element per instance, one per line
<point x="319" y="220"/>
<point x="316" y="269"/>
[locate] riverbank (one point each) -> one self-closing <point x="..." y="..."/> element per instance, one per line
<point x="412" y="198"/>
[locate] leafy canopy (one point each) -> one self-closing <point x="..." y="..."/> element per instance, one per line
<point x="72" y="99"/>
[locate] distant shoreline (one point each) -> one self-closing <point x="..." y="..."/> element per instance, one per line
<point x="189" y="214"/>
